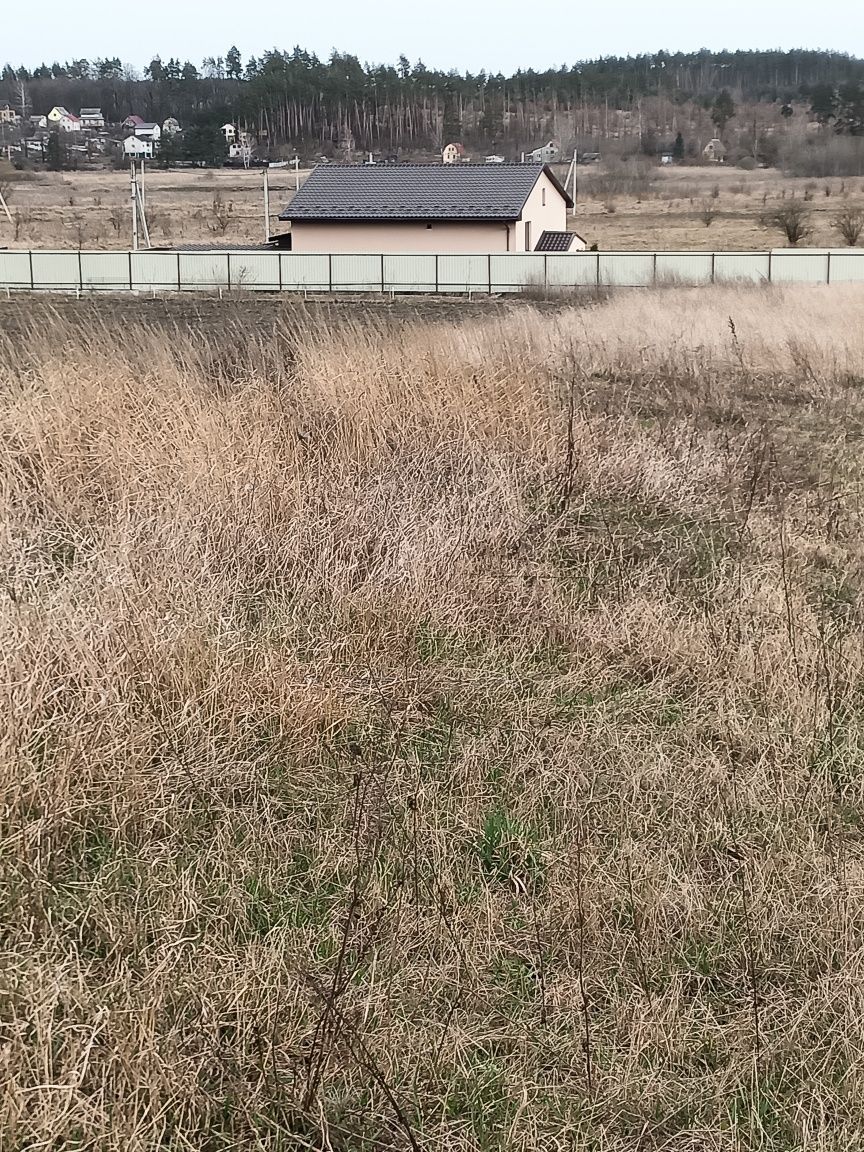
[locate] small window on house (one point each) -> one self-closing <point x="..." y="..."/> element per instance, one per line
<point x="543" y="197"/>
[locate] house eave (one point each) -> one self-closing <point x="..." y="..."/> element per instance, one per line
<point x="304" y="219"/>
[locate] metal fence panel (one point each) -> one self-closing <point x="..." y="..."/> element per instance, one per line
<point x="57" y="270"/>
<point x="463" y="273"/>
<point x="105" y="271"/>
<point x="847" y="267"/>
<point x="203" y="271"/>
<point x="305" y="271"/>
<point x="627" y="269"/>
<point x="410" y="273"/>
<point x="577" y="270"/>
<point x="15" y="270"/>
<point x="517" y="270"/>
<point x="357" y="273"/>
<point x="373" y="272"/>
<point x="684" y="267"/>
<point x="799" y="267"/>
<point x="152" y="270"/>
<point x="254" y="270"/>
<point x="752" y="266"/>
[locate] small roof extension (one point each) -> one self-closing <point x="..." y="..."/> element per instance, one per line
<point x="417" y="192"/>
<point x="556" y="241"/>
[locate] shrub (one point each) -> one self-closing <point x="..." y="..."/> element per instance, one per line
<point x="850" y="224"/>
<point x="792" y="219"/>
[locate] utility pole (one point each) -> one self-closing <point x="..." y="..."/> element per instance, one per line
<point x="134" y="196"/>
<point x="266" y="204"/>
<point x="296" y="173"/>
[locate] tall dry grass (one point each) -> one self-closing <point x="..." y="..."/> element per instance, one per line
<point x="434" y="736"/>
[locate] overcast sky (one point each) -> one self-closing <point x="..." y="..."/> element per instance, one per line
<point x="498" y="35"/>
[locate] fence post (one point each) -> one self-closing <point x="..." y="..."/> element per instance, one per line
<point x="770" y="277"/>
<point x="279" y="262"/>
<point x="32" y="283"/>
<point x="655" y="270"/>
<point x="436" y="273"/>
<point x="713" y="267"/>
<point x="382" y="273"/>
<point x="598" y="269"/>
<point x="545" y="272"/>
<point x="80" y="274"/>
<point x="129" y="254"/>
<point x="489" y="270"/>
<point x="179" y="282"/>
<point x="329" y="271"/>
<point x="228" y="263"/>
<point x="828" y="281"/>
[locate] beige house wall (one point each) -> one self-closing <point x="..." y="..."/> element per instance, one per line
<point x="447" y="236"/>
<point x="312" y="236"/>
<point x="549" y="218"/>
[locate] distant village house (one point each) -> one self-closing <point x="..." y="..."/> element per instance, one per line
<point x="134" y="148"/>
<point x="92" y="119"/>
<point x="63" y="120"/>
<point x="546" y="154"/>
<point x="452" y="154"/>
<point x="145" y="131"/>
<point x="714" y="151"/>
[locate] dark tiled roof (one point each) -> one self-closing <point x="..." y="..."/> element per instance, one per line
<point x="416" y="192"/>
<point x="193" y="248"/>
<point x="554" y="242"/>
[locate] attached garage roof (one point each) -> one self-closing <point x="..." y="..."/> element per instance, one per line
<point x="417" y="192"/>
<point x="555" y="242"/>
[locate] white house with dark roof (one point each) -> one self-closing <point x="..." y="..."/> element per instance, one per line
<point x="92" y="119"/>
<point x="454" y="208"/>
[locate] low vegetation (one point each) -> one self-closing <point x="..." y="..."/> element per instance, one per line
<point x="433" y="735"/>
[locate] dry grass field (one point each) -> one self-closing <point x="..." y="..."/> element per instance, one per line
<point x="432" y="735"/>
<point x="623" y="207"/>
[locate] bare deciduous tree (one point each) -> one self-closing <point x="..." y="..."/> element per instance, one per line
<point x="221" y="214"/>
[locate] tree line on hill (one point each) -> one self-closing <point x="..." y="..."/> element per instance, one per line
<point x="296" y="98"/>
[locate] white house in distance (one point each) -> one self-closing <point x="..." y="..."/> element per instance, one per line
<point x="8" y="115"/>
<point x="714" y="151"/>
<point x="453" y="208"/>
<point x="134" y="148"/>
<point x="171" y="127"/>
<point x="545" y="154"/>
<point x="145" y="131"/>
<point x="452" y="154"/>
<point x="229" y="132"/>
<point x="63" y="120"/>
<point x="92" y="119"/>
